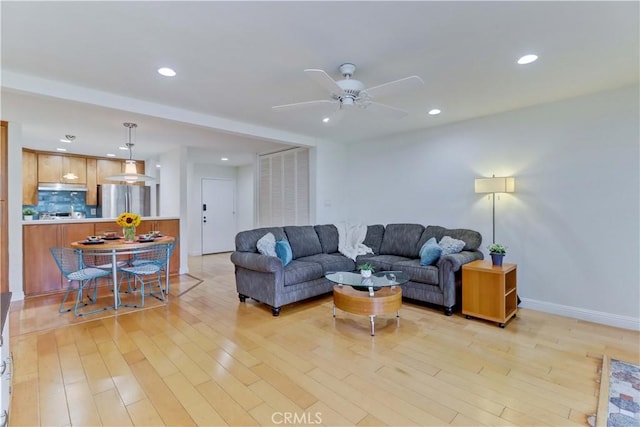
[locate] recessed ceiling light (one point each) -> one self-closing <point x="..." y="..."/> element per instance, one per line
<point x="157" y="165"/>
<point x="61" y="149"/>
<point x="434" y="112"/>
<point x="224" y="159"/>
<point x="110" y="155"/>
<point x="326" y="120"/>
<point x="122" y="147"/>
<point x="167" y="72"/>
<point x="527" y="59"/>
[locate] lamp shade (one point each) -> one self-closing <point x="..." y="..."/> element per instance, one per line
<point x="495" y="185"/>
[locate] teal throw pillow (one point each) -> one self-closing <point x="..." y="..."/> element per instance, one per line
<point x="283" y="251"/>
<point x="430" y="252"/>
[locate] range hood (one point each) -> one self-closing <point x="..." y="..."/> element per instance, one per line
<point x="55" y="186"/>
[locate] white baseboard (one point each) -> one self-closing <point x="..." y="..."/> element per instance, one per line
<point x="626" y="322"/>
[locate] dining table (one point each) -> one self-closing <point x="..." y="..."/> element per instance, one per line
<point x="118" y="247"/>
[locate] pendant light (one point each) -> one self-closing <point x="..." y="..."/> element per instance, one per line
<point x="130" y="174"/>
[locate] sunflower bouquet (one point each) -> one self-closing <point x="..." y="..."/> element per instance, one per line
<point x="128" y="219"/>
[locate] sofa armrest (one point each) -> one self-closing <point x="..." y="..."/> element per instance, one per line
<point x="448" y="268"/>
<point x="256" y="262"/>
<point x="453" y="262"/>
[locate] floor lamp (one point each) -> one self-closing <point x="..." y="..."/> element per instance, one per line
<point x="495" y="185"/>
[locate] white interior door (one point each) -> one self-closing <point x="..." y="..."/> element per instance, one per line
<point x="218" y="215"/>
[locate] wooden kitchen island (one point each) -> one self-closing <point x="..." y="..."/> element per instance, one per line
<point x="40" y="272"/>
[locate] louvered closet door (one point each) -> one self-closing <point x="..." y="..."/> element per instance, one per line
<point x="283" y="188"/>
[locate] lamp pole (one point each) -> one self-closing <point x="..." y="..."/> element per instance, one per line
<point x="494" y="217"/>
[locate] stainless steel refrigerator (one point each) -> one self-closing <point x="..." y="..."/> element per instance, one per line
<point x="113" y="199"/>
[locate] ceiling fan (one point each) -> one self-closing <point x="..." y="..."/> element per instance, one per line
<point x="349" y="93"/>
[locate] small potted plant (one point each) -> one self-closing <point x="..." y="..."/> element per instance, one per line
<point x="366" y="270"/>
<point x="497" y="252"/>
<point x="28" y="213"/>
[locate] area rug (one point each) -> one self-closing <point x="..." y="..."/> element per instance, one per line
<point x="619" y="403"/>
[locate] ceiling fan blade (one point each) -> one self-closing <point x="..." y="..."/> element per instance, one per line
<point x="325" y="80"/>
<point x="388" y="110"/>
<point x="302" y="105"/>
<point x="395" y="86"/>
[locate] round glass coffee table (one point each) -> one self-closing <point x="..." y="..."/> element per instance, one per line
<point x="372" y="296"/>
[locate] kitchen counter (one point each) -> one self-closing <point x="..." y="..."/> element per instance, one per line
<point x="86" y="220"/>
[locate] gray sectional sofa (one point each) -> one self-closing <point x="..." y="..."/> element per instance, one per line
<point x="315" y="252"/>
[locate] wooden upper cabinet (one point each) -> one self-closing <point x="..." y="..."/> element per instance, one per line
<point x="92" y="183"/>
<point x="105" y="168"/>
<point x="65" y="169"/>
<point x="29" y="178"/>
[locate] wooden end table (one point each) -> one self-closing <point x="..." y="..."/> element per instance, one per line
<point x="489" y="292"/>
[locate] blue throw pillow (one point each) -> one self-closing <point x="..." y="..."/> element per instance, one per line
<point x="283" y="251"/>
<point x="430" y="252"/>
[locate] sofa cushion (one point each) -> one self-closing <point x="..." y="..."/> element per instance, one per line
<point x="299" y="271"/>
<point x="384" y="262"/>
<point x="472" y="239"/>
<point x="328" y="235"/>
<point x="304" y="240"/>
<point x="267" y="245"/>
<point x="416" y="272"/>
<point x="430" y="252"/>
<point x="450" y="245"/>
<point x="246" y="241"/>
<point x="373" y="239"/>
<point x="401" y="240"/>
<point x="331" y="262"/>
<point x="283" y="251"/>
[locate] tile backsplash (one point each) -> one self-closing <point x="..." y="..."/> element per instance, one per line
<point x="63" y="201"/>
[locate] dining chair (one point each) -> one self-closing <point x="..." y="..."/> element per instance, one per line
<point x="146" y="268"/>
<point x="139" y="260"/>
<point x="71" y="265"/>
<point x="104" y="261"/>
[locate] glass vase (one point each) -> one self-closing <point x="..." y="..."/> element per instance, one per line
<point x="129" y="234"/>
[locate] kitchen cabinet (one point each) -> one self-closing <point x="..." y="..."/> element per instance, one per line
<point x="62" y="169"/>
<point x="40" y="272"/>
<point x="38" y="238"/>
<point x="29" y="177"/>
<point x="92" y="183"/>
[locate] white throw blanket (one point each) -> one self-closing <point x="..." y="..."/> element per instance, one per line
<point x="351" y="238"/>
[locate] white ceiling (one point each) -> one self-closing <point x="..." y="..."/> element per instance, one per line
<point x="84" y="68"/>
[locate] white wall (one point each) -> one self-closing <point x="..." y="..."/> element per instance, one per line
<point x="572" y="225"/>
<point x="173" y="200"/>
<point x="197" y="170"/>
<point x="14" y="183"/>
<point x="329" y="169"/>
<point x="245" y="198"/>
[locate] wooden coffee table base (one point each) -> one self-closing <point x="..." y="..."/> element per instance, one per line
<point x="387" y="300"/>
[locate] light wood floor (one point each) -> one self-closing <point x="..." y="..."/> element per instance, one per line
<point x="207" y="359"/>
